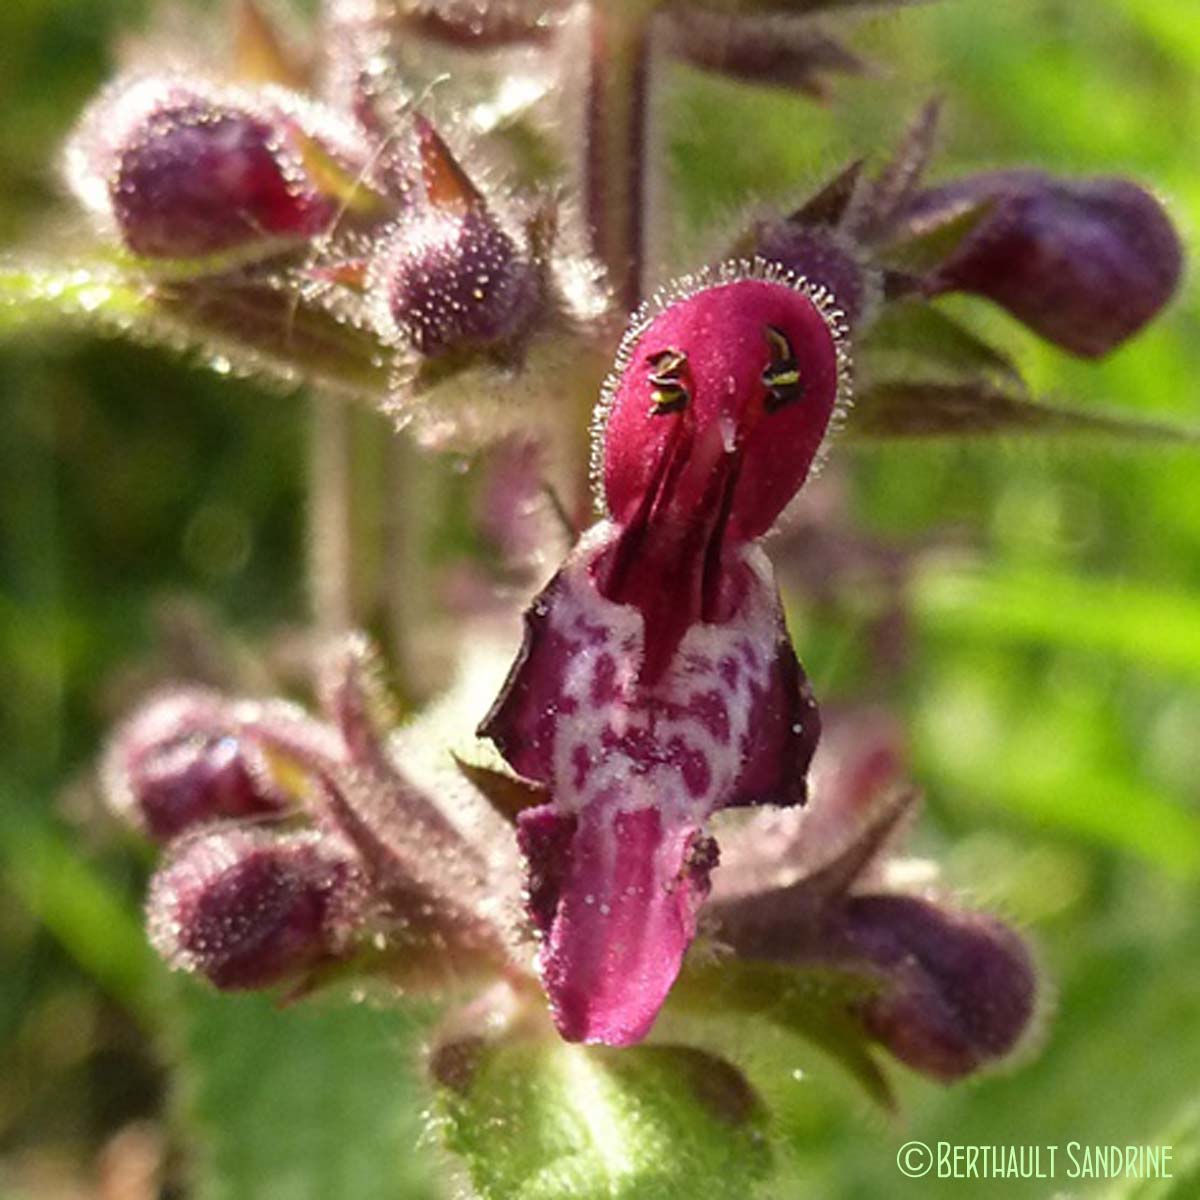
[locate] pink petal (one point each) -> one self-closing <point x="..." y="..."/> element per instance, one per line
<point x="618" y="863"/>
<point x="618" y="910"/>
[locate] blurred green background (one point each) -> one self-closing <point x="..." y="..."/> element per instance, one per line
<point x="1053" y="693"/>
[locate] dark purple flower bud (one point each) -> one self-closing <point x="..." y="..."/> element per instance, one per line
<point x="181" y="761"/>
<point x="950" y="990"/>
<point x="184" y="169"/>
<point x="958" y="989"/>
<point x="450" y="277"/>
<point x="1084" y="263"/>
<point x="247" y="909"/>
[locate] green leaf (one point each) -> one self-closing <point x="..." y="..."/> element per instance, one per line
<point x="901" y="175"/>
<point x="923" y="409"/>
<point x="309" y="1102"/>
<point x="1018" y="755"/>
<point x="251" y="323"/>
<point x="538" y="1119"/>
<point x="1089" y="805"/>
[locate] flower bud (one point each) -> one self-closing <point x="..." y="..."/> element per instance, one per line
<point x="826" y="258"/>
<point x="185" y="169"/>
<point x="1084" y="263"/>
<point x="246" y="909"/>
<point x="450" y="277"/>
<point x="958" y="988"/>
<point x="180" y="761"/>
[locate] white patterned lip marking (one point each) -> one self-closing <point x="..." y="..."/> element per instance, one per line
<point x="680" y="744"/>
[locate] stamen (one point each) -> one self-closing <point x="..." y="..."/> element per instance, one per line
<point x="667" y="397"/>
<point x="781" y="377"/>
<point x="671" y="394"/>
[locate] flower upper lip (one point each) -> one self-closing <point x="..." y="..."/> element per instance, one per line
<point x="667" y="560"/>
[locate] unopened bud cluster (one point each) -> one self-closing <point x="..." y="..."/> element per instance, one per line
<point x="242" y="186"/>
<point x="949" y="990"/>
<point x="292" y="843"/>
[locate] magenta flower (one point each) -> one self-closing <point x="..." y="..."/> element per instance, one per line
<point x="657" y="683"/>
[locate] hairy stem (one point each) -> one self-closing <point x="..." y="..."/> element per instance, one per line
<point x="620" y="63"/>
<point x="369" y="506"/>
<point x="329" y="543"/>
<point x="408" y="585"/>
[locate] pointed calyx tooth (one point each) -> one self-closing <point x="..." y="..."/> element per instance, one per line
<point x="859" y="804"/>
<point x="783" y="915"/>
<point x="830" y="203"/>
<point x="813" y="243"/>
<point x="247" y="909"/>
<point x="1085" y="263"/>
<point x="426" y="860"/>
<point x="356" y="702"/>
<point x="875" y="208"/>
<point x="447" y="185"/>
<point x="182" y="760"/>
<point x="450" y="277"/>
<point x="183" y="168"/>
<point x="508" y="794"/>
<point x="260" y="53"/>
